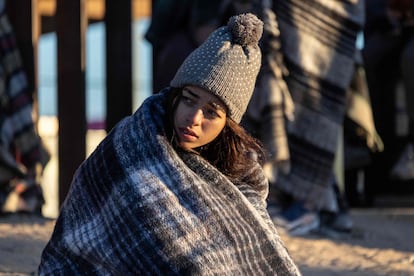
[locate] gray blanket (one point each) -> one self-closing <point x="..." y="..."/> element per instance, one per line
<point x="138" y="206"/>
<point x="318" y="43"/>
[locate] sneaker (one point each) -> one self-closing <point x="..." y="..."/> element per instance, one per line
<point x="404" y="168"/>
<point x="335" y="225"/>
<point x="304" y="225"/>
<point x="297" y="220"/>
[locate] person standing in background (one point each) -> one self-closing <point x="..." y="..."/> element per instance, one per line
<point x="179" y="26"/>
<point x="311" y="57"/>
<point x="22" y="154"/>
<point x="389" y="59"/>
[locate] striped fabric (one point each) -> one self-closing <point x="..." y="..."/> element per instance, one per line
<point x="137" y="206"/>
<point x="318" y="43"/>
<point x="20" y="145"/>
<point x="271" y="103"/>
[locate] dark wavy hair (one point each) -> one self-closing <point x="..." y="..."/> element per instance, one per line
<point x="233" y="149"/>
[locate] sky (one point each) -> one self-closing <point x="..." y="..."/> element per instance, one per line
<point x="95" y="70"/>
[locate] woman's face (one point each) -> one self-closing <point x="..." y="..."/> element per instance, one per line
<point x="199" y="118"/>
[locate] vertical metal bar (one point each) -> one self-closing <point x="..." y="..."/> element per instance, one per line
<point x="21" y="17"/>
<point x="155" y="82"/>
<point x="71" y="23"/>
<point x="118" y="60"/>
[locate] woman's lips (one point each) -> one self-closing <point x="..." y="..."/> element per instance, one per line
<point x="187" y="134"/>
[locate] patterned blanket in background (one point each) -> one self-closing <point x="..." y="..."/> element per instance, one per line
<point x="318" y="40"/>
<point x="22" y="155"/>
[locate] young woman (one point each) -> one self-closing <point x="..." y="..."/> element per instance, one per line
<point x="177" y="188"/>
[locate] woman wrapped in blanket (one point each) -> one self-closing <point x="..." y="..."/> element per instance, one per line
<point x="177" y="188"/>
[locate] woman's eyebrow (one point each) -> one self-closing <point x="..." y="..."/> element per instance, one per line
<point x="217" y="106"/>
<point x="212" y="103"/>
<point x="191" y="93"/>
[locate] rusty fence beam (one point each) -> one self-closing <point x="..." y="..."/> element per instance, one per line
<point x="71" y="24"/>
<point x="118" y="20"/>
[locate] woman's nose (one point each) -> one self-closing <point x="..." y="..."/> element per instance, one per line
<point x="195" y="117"/>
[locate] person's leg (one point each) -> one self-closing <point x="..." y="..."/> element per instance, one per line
<point x="336" y="223"/>
<point x="380" y="56"/>
<point x="407" y="68"/>
<point x="381" y="61"/>
<point x="404" y="166"/>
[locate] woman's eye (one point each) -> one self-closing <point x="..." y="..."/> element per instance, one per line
<point x="212" y="113"/>
<point x="187" y="100"/>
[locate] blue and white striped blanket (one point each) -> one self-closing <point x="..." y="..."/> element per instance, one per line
<point x="138" y="206"/>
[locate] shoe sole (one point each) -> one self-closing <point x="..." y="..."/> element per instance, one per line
<point x="303" y="226"/>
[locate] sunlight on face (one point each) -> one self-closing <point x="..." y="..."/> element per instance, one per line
<point x="199" y="118"/>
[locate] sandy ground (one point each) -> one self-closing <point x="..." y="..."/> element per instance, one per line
<point x="381" y="244"/>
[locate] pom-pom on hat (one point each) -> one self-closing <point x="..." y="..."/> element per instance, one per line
<point x="227" y="63"/>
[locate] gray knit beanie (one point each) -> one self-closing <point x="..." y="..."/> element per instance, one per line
<point x="227" y="63"/>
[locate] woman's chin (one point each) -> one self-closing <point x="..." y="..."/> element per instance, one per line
<point x="185" y="146"/>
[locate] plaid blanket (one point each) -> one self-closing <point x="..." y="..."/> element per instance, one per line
<point x="21" y="149"/>
<point x="138" y="206"/>
<point x="318" y="40"/>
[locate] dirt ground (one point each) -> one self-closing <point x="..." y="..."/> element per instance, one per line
<point x="381" y="243"/>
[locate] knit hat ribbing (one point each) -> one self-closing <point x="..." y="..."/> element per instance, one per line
<point x="227" y="63"/>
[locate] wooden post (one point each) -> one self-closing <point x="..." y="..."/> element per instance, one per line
<point x="71" y="23"/>
<point x="118" y="22"/>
